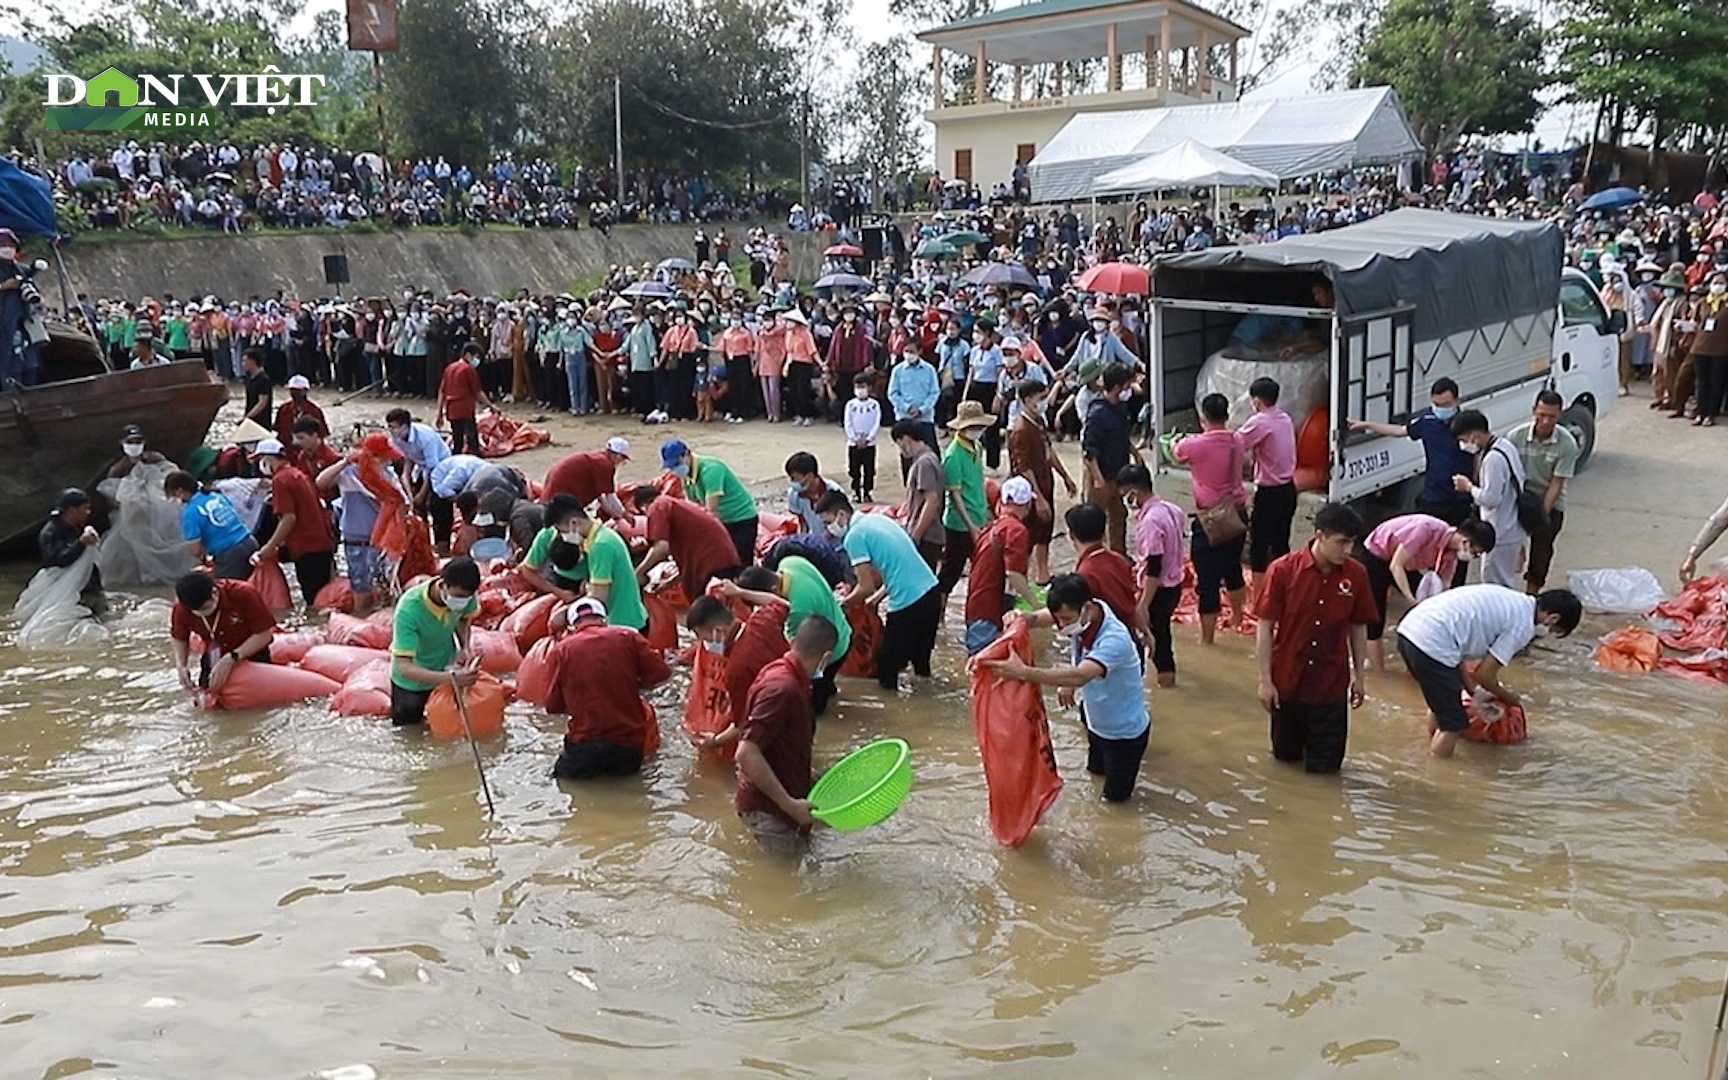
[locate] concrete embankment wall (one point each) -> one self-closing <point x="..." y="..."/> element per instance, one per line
<point x="384" y="263"/>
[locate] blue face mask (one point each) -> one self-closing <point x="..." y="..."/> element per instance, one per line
<point x="1443" y="412"/>
<point x="681" y="470"/>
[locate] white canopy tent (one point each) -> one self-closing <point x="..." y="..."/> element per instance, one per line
<point x="1188" y="164"/>
<point x="1288" y="137"/>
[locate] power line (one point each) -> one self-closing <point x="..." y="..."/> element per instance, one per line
<point x="714" y="124"/>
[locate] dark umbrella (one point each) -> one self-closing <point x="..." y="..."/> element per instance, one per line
<point x="842" y="281"/>
<point x="1613" y="199"/>
<point x="1000" y="274"/>
<point x="645" y="289"/>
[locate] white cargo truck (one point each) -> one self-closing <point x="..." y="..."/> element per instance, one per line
<point x="1416" y="295"/>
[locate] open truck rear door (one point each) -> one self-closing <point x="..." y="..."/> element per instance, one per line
<point x="1373" y="378"/>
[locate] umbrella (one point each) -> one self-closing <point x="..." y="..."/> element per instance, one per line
<point x="964" y="238"/>
<point x="677" y="265"/>
<point x="1123" y="279"/>
<point x="848" y="251"/>
<point x="1000" y="274"/>
<point x="1613" y="199"/>
<point x="26" y="207"/>
<point x="646" y="288"/>
<point x="842" y="281"/>
<point x="220" y="177"/>
<point x="936" y="249"/>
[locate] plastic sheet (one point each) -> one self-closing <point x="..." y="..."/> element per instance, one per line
<point x="366" y="692"/>
<point x="485" y="703"/>
<point x="1013" y="739"/>
<point x="1626" y="590"/>
<point x="1303" y="383"/>
<point x="49" y="611"/>
<point x="144" y="544"/>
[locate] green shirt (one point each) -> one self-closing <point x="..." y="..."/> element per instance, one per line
<point x="963" y="470"/>
<point x="423" y="633"/>
<point x="711" y="476"/>
<point x="540" y="558"/>
<point x="1543" y="461"/>
<point x="609" y="564"/>
<point x="179" y="340"/>
<point x="129" y="332"/>
<point x="808" y="593"/>
<point x="642" y="346"/>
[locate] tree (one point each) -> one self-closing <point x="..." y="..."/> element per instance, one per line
<point x="1640" y="60"/>
<point x="886" y="106"/>
<point x="1459" y="67"/>
<point x="453" y="87"/>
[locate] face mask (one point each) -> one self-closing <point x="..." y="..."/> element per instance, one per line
<point x="1717" y="288"/>
<point x="1074" y="629"/>
<point x="735" y="321"/>
<point x="1100" y="327"/>
<point x="1466" y="555"/>
<point x="473" y="361"/>
<point x="718" y="647"/>
<point x="1541" y="630"/>
<point x="8" y="253"/>
<point x="1670" y="293"/>
<point x="861" y="392"/>
<point x="132" y="449"/>
<point x="1468" y="447"/>
<point x="206" y="612"/>
<point x="681" y="471"/>
<point x="1444" y="412"/>
<point x="569" y="536"/>
<point x="837" y="529"/>
<point x="483" y="520"/>
<point x="459" y="604"/>
<point x="266" y="467"/>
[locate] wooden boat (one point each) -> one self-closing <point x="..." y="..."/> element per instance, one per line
<point x="65" y="431"/>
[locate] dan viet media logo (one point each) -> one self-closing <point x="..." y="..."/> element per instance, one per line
<point x="115" y="101"/>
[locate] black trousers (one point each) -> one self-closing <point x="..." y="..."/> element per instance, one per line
<point x="1117" y="761"/>
<point x="314" y="570"/>
<point x="985" y="395"/>
<point x="1311" y="734"/>
<point x="1453" y="513"/>
<point x="741" y="389"/>
<point x="800" y="398"/>
<point x="1711" y="383"/>
<point x="955" y="552"/>
<point x="1269" y="526"/>
<point x="683" y="405"/>
<point x="642" y="392"/>
<point x="407" y="706"/>
<point x="465" y="436"/>
<point x="589" y="759"/>
<point x="909" y="637"/>
<point x="1542" y="549"/>
<point x="1380" y="584"/>
<point x="861" y="468"/>
<point x="743" y="534"/>
<point x="1164" y="603"/>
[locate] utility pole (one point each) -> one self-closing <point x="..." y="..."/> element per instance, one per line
<point x="804" y="152"/>
<point x="618" y="134"/>
<point x="378" y="100"/>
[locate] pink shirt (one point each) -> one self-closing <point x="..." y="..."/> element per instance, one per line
<point x="1271" y="438"/>
<point x="1427" y="542"/>
<point x="1159" y="529"/>
<point x="1214" y="461"/>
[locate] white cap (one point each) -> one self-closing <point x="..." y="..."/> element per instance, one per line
<point x="586" y="606"/>
<point x="1017" y="490"/>
<point x="268" y="446"/>
<point x="299" y="382"/>
<point x="1010" y="344"/>
<point x="620" y="446"/>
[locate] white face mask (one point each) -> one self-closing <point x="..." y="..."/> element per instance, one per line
<point x="1466" y="555"/>
<point x="8" y="253"/>
<point x="1468" y="447"/>
<point x="132" y="449"/>
<point x="861" y="392"/>
<point x="718" y="647"/>
<point x="570" y="536"/>
<point x="482" y="520"/>
<point x="837" y="529"/>
<point x="1541" y="630"/>
<point x="1074" y="629"/>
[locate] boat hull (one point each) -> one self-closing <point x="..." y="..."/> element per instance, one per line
<point x="66" y="434"/>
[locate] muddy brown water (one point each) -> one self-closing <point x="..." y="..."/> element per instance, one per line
<point x="283" y="893"/>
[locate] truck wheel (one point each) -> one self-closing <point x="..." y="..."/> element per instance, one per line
<point x="1581" y="422"/>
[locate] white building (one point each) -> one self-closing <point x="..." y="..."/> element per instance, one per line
<point x="1184" y="54"/>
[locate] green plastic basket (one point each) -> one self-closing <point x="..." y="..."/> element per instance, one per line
<point x="1039" y="591"/>
<point x="864" y="787"/>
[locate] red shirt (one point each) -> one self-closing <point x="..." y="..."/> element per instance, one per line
<point x="1111" y="578"/>
<point x="460" y="389"/>
<point x="240" y="613"/>
<point x="760" y="643"/>
<point x="700" y="544"/>
<point x="314" y="463"/>
<point x="292" y="493"/>
<point x="1312" y="613"/>
<point x="290" y="411"/>
<point x="1003" y="547"/>
<point x="586" y="474"/>
<point x="778" y="719"/>
<point x="598" y="674"/>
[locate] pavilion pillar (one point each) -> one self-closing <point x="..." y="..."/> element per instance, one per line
<point x="980" y="76"/>
<point x="1019" y="76"/>
<point x="1202" y="62"/>
<point x="936" y="76"/>
<point x="1112" y="60"/>
<point x="1164" y="53"/>
<point x="1234" y="73"/>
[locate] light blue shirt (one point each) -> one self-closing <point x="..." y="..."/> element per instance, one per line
<point x="1116" y="701"/>
<point x="877" y="540"/>
<point x="1106" y="347"/>
<point x="211" y="519"/>
<point x="423" y="446"/>
<point x="953" y="356"/>
<point x="913" y="386"/>
<point x="453" y="473"/>
<point x="986" y="363"/>
<point x="808" y="519"/>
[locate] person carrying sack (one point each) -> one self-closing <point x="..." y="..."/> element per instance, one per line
<point x="1214" y="460"/>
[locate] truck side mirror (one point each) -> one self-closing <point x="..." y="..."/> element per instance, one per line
<point x="1616" y="323"/>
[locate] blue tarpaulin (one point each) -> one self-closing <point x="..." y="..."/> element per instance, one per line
<point x="26" y="207"/>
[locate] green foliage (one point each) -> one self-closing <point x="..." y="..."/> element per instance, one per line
<point x="1459" y="67"/>
<point x="453" y="88"/>
<point x="885" y="106"/>
<point x="1662" y="59"/>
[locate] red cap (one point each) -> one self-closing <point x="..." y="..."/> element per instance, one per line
<point x="378" y="444"/>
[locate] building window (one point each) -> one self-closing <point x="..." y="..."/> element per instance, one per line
<point x="963" y="165"/>
<point x="1025" y="152"/>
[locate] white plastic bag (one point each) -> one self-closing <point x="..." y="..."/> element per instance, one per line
<point x="49" y="610"/>
<point x="1304" y="382"/>
<point x="1627" y="590"/>
<point x="1430" y="585"/>
<point x="145" y="544"/>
